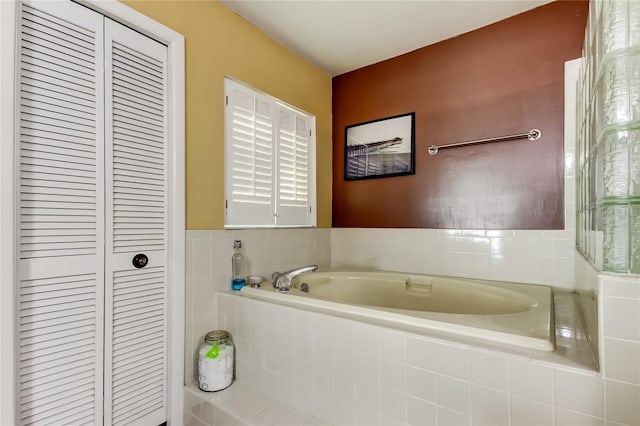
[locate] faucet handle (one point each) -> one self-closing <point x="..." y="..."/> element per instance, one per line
<point x="274" y="277"/>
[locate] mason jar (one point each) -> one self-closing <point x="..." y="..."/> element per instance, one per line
<point x="215" y="361"/>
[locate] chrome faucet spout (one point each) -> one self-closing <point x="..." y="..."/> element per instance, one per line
<point x="282" y="280"/>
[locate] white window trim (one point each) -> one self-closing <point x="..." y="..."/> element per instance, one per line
<point x="312" y="223"/>
<point x="176" y="197"/>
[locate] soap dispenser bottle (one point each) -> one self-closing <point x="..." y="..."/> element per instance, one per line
<point x="237" y="267"/>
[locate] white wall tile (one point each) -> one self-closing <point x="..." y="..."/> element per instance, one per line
<point x="304" y="322"/>
<point x="490" y="370"/>
<point x="452" y="361"/>
<point x="273" y="352"/>
<point x="421" y="413"/>
<point x="526" y="412"/>
<point x="447" y="417"/>
<point x="621" y="286"/>
<point x="476" y="421"/>
<point x="344" y="346"/>
<point x="396" y="254"/>
<point x="490" y="405"/>
<point x="452" y="393"/>
<point x="622" y="360"/>
<point x="393" y="406"/>
<point x="499" y="245"/>
<point x="323" y="342"/>
<point x="421" y="384"/>
<point x="392" y="346"/>
<point x="367" y="398"/>
<point x="393" y="375"/>
<point x="530" y="380"/>
<point x="621" y="318"/>
<point x="563" y="247"/>
<point x="242" y="357"/>
<point x="324" y="394"/>
<point x="272" y="383"/>
<point x="305" y="389"/>
<point x="191" y="420"/>
<point x="366" y="340"/>
<point x="579" y="392"/>
<point x="573" y="418"/>
<point x="304" y="349"/>
<point x="367" y="418"/>
<point x="208" y="412"/>
<point x="368" y="369"/>
<point x="257" y="379"/>
<point x="540" y="243"/>
<point x="287" y="388"/>
<point x="622" y="403"/>
<point x="284" y="319"/>
<point x="344" y="398"/>
<point x="421" y="353"/>
<point x="191" y="402"/>
<point x="526" y="255"/>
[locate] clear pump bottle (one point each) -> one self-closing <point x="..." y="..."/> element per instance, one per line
<point x="238" y="279"/>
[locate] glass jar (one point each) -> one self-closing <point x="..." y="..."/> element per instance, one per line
<point x="215" y="361"/>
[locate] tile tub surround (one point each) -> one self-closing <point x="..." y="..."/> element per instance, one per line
<point x="512" y="255"/>
<point x="354" y="373"/>
<point x="208" y="269"/>
<point x="525" y="256"/>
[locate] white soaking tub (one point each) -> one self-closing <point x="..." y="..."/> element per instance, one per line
<point x="505" y="313"/>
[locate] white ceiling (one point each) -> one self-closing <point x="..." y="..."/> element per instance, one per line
<point x="340" y="36"/>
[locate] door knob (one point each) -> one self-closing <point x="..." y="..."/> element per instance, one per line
<point x="140" y="260"/>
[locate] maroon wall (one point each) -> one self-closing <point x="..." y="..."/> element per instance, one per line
<point x="501" y="79"/>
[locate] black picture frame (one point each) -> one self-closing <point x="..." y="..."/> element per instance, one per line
<point x="380" y="148"/>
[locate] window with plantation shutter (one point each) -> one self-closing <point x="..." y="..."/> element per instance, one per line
<point x="269" y="161"/>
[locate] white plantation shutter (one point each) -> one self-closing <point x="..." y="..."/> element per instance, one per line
<point x="60" y="240"/>
<point x="136" y="299"/>
<point x="249" y="156"/>
<point x="269" y="174"/>
<point x="294" y="135"/>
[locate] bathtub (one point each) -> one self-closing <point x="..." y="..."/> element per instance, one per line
<point x="475" y="311"/>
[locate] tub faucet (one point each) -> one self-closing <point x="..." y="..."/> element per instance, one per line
<point x="282" y="280"/>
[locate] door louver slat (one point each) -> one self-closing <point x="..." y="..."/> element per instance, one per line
<point x="73" y="404"/>
<point x="48" y="95"/>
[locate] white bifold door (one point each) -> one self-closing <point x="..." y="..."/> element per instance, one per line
<point x="92" y="281"/>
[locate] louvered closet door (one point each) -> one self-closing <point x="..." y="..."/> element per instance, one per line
<point x="136" y="298"/>
<point x="60" y="242"/>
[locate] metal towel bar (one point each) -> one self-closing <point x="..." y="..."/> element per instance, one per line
<point x="532" y="135"/>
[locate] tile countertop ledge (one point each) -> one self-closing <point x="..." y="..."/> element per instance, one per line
<point x="241" y="405"/>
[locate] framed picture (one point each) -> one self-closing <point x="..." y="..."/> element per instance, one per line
<point x="380" y="148"/>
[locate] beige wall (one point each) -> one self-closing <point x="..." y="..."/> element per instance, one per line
<point x="219" y="43"/>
